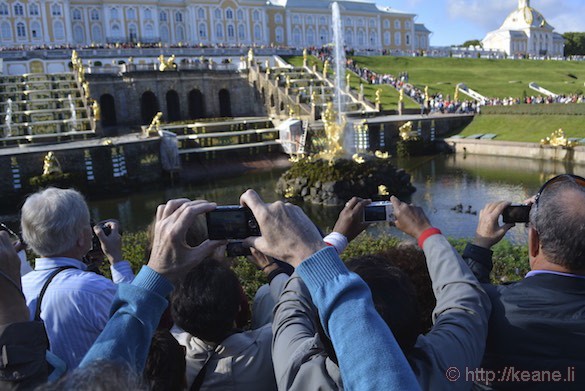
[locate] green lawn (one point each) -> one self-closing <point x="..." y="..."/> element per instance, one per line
<point x="493" y="78"/>
<point x="528" y="128"/>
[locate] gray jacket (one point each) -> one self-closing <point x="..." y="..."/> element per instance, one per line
<point x="456" y="341"/>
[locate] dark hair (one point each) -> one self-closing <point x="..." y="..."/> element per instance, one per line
<point x="165" y="365"/>
<point x="560" y="225"/>
<point x="394" y="296"/>
<point x="412" y="261"/>
<point x="100" y="375"/>
<point x="206" y="301"/>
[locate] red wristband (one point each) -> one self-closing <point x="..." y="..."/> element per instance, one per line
<point x="427" y="233"/>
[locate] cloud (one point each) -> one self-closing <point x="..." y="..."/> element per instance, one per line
<point x="486" y="14"/>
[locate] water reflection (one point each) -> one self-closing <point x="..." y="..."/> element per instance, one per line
<point x="442" y="182"/>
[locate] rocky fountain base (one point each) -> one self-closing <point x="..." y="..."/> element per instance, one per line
<point x="331" y="183"/>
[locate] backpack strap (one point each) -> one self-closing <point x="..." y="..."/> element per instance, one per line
<point x="44" y="289"/>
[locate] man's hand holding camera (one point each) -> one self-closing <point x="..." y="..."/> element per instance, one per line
<point x="410" y="219"/>
<point x="287" y="233"/>
<point x="108" y="233"/>
<point x="170" y="255"/>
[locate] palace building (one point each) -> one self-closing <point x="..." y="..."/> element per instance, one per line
<point x="525" y="32"/>
<point x="295" y="23"/>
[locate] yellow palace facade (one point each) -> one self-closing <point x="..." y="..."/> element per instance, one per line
<point x="294" y="23"/>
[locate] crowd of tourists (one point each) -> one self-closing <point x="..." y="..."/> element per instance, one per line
<point x="414" y="317"/>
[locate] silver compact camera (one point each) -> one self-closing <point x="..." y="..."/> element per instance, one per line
<point x="379" y="211"/>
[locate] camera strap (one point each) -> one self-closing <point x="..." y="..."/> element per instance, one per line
<point x="44" y="289"/>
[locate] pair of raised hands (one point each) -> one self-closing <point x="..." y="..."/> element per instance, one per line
<point x="287" y="233"/>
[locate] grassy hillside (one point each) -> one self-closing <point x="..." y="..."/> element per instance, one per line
<point x="389" y="99"/>
<point x="494" y="78"/>
<point x="528" y="128"/>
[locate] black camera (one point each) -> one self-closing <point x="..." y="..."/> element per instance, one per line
<point x="516" y="214"/>
<point x="231" y="222"/>
<point x="96" y="244"/>
<point x="237" y="249"/>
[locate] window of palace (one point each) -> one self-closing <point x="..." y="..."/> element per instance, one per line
<point x="218" y="14"/>
<point x="6" y="31"/>
<point x="240" y="15"/>
<point x="56" y="10"/>
<point x="407" y="39"/>
<point x="149" y="31"/>
<point x="386" y="24"/>
<point x="279" y="33"/>
<point x="373" y="38"/>
<point x="360" y="22"/>
<point x="76" y="14"/>
<point x="256" y="15"/>
<point x="202" y="30"/>
<point x="20" y="30"/>
<point x="397" y="39"/>
<point x="407" y="25"/>
<point x="241" y="32"/>
<point x="231" y="32"/>
<point x="229" y="14"/>
<point x="18" y="9"/>
<point x="147" y="14"/>
<point x="33" y="9"/>
<point x="296" y="19"/>
<point x="297" y="36"/>
<point x="78" y="34"/>
<point x="201" y="13"/>
<point x="310" y="36"/>
<point x="96" y="33"/>
<point x="114" y="13"/>
<point x="35" y="30"/>
<point x="278" y="18"/>
<point x="219" y="30"/>
<point x="360" y="37"/>
<point x="94" y="14"/>
<point x="59" y="31"/>
<point x="257" y="32"/>
<point x="179" y="17"/>
<point x="397" y="24"/>
<point x="348" y="22"/>
<point x="323" y="35"/>
<point x="162" y="16"/>
<point x="349" y="36"/>
<point x="180" y="33"/>
<point x="131" y="13"/>
<point x="3" y="10"/>
<point x="387" y="38"/>
<point x="372" y="22"/>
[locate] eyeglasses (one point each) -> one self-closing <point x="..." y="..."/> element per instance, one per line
<point x="559" y="178"/>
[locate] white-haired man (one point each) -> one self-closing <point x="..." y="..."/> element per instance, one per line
<point x="73" y="303"/>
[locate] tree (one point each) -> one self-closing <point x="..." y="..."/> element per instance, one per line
<point x="472" y="42"/>
<point x="574" y="44"/>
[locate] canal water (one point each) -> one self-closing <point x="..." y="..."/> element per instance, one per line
<point x="442" y="182"/>
<point x="451" y="189"/>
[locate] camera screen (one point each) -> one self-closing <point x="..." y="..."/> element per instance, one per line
<point x="375" y="213"/>
<point x="228" y="224"/>
<point x="516" y="214"/>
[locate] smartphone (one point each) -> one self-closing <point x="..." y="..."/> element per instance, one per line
<point x="237" y="249"/>
<point x="516" y="214"/>
<point x="379" y="211"/>
<point x="231" y="222"/>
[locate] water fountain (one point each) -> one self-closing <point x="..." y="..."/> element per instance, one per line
<point x="334" y="175"/>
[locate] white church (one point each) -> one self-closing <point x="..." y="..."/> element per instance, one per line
<point x="525" y="32"/>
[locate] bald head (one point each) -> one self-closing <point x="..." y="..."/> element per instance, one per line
<point x="559" y="220"/>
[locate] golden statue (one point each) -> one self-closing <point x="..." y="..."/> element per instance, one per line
<point x="250" y="56"/>
<point x="74" y="56"/>
<point x="86" y="92"/>
<point x="558" y="139"/>
<point x="427" y="97"/>
<point x="401" y="95"/>
<point x="287" y="81"/>
<point x="166" y="65"/>
<point x="154" y="126"/>
<point x="97" y="112"/>
<point x="51" y="165"/>
<point x="333" y="131"/>
<point x="304" y="56"/>
<point x="383" y="190"/>
<point x="456" y="96"/>
<point x="347" y="79"/>
<point x="314" y="97"/>
<point x="406" y="131"/>
<point x="325" y="69"/>
<point x="378" y="96"/>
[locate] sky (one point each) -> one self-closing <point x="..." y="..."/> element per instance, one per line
<point x="456" y="21"/>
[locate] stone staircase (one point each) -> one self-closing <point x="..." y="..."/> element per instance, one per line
<point x="43" y="108"/>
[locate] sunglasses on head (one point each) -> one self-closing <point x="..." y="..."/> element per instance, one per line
<point x="559" y="178"/>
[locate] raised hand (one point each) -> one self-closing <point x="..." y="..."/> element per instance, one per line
<point x="409" y="219"/>
<point x="287" y="233"/>
<point x="351" y="219"/>
<point x="111" y="244"/>
<point x="489" y="231"/>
